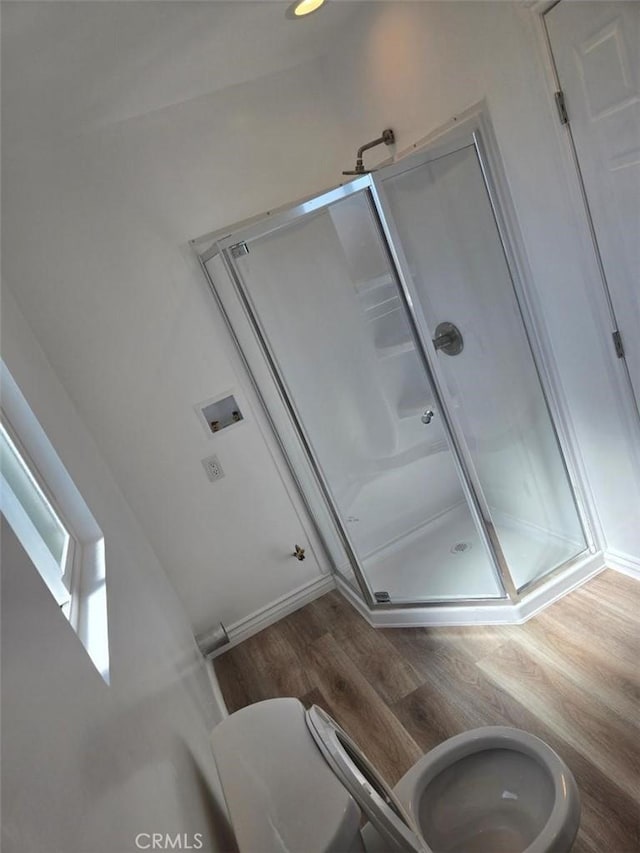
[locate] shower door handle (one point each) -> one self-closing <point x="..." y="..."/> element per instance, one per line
<point x="448" y="339"/>
<point x="427" y="416"/>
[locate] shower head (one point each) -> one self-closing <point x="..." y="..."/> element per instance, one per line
<point x="388" y="137"/>
<point x="361" y="171"/>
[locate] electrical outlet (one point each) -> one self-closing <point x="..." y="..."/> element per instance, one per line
<point x="213" y="468"/>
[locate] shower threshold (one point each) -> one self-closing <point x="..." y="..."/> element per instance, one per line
<point x="425" y="609"/>
<point x="428" y="565"/>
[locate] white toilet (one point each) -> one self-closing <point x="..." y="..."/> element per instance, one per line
<point x="294" y="781"/>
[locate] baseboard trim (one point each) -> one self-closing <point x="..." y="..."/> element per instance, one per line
<point x="491" y="613"/>
<point x="498" y="613"/>
<point x="278" y="609"/>
<point x="623" y="563"/>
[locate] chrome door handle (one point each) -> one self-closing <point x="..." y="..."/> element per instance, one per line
<point x="427" y="415"/>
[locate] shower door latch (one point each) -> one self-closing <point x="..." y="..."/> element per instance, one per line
<point x="238" y="250"/>
<point x="617" y="343"/>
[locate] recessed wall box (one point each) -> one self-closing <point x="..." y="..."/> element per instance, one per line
<point x="220" y="414"/>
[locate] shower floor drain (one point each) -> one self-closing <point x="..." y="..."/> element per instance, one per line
<point x="460" y="547"/>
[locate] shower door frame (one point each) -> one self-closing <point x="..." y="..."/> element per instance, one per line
<point x="371" y="186"/>
<point x="476" y="133"/>
<point x="474" y="502"/>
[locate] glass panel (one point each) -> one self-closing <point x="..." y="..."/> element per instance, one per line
<point x="32" y="518"/>
<point x="453" y="249"/>
<point x="295" y="452"/>
<point x="329" y="308"/>
<point x="30" y="495"/>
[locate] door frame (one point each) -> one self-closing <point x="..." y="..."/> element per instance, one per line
<point x="475" y="129"/>
<point x="542" y="9"/>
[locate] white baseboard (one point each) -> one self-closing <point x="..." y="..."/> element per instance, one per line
<point x="489" y="613"/>
<point x="623" y="563"/>
<point x="496" y="613"/>
<point x="281" y="607"/>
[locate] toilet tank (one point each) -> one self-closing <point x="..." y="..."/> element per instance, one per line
<point x="280" y="792"/>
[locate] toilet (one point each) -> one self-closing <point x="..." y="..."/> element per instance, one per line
<point x="294" y="781"/>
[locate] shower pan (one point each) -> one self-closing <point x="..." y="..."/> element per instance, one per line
<point x="385" y="330"/>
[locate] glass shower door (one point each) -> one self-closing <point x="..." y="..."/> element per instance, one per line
<point x="324" y="300"/>
<point x="454" y="265"/>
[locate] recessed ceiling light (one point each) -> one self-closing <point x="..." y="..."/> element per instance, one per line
<point x="303" y="7"/>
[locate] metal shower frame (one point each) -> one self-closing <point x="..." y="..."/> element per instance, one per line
<point x="371" y="185"/>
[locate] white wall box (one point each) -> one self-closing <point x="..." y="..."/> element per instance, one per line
<point x="219" y="413"/>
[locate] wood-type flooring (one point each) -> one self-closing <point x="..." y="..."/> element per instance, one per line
<point x="570" y="675"/>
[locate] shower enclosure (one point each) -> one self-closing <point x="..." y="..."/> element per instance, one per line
<point x="386" y="332"/>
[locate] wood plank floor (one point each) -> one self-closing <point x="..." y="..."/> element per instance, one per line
<point x="570" y="675"/>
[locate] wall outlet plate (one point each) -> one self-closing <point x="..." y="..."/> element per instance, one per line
<point x="213" y="468"/>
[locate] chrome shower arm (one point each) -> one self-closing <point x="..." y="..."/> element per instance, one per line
<point x="388" y="138"/>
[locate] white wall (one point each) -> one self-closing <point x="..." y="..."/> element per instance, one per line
<point x="87" y="766"/>
<point x="413" y="66"/>
<point x="95" y="238"/>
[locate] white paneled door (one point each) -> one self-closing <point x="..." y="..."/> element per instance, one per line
<point x="596" y="47"/>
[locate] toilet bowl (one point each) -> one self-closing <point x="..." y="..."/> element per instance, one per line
<point x="492" y="789"/>
<point x="294" y="781"/>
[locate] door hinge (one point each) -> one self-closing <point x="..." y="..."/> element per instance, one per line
<point x="617" y="343"/>
<point x="239" y="249"/>
<point x="382" y="597"/>
<point x="562" y="107"/>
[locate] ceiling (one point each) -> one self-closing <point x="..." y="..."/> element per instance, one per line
<point x="69" y="67"/>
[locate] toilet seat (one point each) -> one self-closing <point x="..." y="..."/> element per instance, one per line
<point x="376" y="799"/>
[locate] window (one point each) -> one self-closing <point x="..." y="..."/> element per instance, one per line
<point x="52" y="521"/>
<point x="31" y="514"/>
